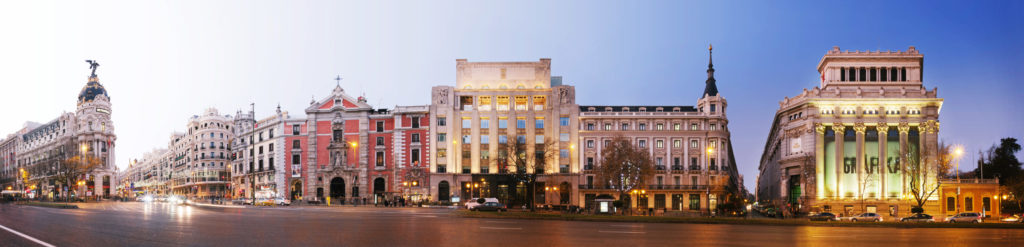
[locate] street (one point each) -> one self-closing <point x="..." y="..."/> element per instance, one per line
<point x="161" y="224"/>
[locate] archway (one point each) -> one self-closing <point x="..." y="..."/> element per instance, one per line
<point x="443" y="191"/>
<point x="297" y="190"/>
<point x="337" y="188"/>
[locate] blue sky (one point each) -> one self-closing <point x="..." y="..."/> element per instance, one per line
<point x="164" y="61"/>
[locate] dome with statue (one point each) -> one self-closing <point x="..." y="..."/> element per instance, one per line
<point x="91" y="90"/>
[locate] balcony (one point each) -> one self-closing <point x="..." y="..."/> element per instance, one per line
<point x="676" y="187"/>
<point x="694" y="168"/>
<point x="442" y="169"/>
<point x="713" y="168"/>
<point x="677" y="167"/>
<point x="563" y="169"/>
<point x="588" y="167"/>
<point x="659" y="167"/>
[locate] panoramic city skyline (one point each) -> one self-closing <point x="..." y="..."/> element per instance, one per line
<point x="180" y="59"/>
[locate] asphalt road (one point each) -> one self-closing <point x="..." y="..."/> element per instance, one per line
<point x="160" y="224"/>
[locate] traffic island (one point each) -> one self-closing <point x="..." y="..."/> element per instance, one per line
<point x="721" y="220"/>
<point x="49" y="205"/>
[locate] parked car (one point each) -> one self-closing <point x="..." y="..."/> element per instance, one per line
<point x="965" y="217"/>
<point x="472" y="203"/>
<point x="281" y="201"/>
<point x="176" y="199"/>
<point x="1013" y="219"/>
<point x="491" y="206"/>
<point x="864" y="217"/>
<point x="826" y="216"/>
<point x="918" y="218"/>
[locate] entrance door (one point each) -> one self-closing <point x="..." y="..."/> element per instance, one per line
<point x="443" y="191"/>
<point x="378" y="188"/>
<point x="337" y="188"/>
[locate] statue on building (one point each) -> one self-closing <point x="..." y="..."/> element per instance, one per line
<point x="93" y="64"/>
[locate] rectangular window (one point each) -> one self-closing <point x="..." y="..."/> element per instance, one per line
<point x="441" y="137"/>
<point x="503" y="103"/>
<point x="625" y="126"/>
<point x="466" y="103"/>
<point x="415" y="157"/>
<point x="590" y="163"/>
<point x="694" y="144"/>
<point x="295" y="129"/>
<point x="441" y="152"/>
<point x="564" y="153"/>
<point x="950" y="204"/>
<point x="296" y="144"/>
<point x="521" y="123"/>
<point x="380" y="126"/>
<point x="466" y="139"/>
<point x="694" y="201"/>
<point x="590" y="126"/>
<point x="538" y="103"/>
<point x="520" y="103"/>
<point x="986" y="204"/>
<point x="539" y="139"/>
<point x="485" y="103"/>
<point x="676" y="126"/>
<point x="295" y="159"/>
<point x="416" y="137"/>
<point x="643" y="126"/>
<point x="563" y="137"/>
<point x="712" y="107"/>
<point x="502" y="123"/>
<point x="968" y="204"/>
<point x="712" y="127"/>
<point x="380" y="141"/>
<point x="485" y="123"/>
<point x="563" y="121"/>
<point x="660" y="127"/>
<point x="521" y="139"/>
<point x="502" y="139"/>
<point x="539" y="123"/>
<point x="693" y="126"/>
<point x="380" y="159"/>
<point x="441" y="121"/>
<point x="607" y="126"/>
<point x="467" y="123"/>
<point x="590" y="143"/>
<point x="677" y="143"/>
<point x="485" y="139"/>
<point x="642" y="143"/>
<point x="415" y="122"/>
<point x="660" y="143"/>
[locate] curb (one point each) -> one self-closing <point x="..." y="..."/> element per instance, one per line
<point x="49" y="205"/>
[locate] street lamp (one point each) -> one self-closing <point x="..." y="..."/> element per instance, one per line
<point x="958" y="152"/>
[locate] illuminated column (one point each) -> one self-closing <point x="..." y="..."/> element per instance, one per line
<point x="859" y="128"/>
<point x="839" y="129"/>
<point x="932" y="130"/>
<point x="819" y="159"/>
<point x="97" y="184"/>
<point x="883" y="141"/>
<point x="904" y="129"/>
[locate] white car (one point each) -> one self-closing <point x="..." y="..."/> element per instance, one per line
<point x="281" y="201"/>
<point x="864" y="217"/>
<point x="965" y="217"/>
<point x="472" y="203"/>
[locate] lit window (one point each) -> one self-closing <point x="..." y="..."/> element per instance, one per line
<point x="563" y="137"/>
<point x="563" y="121"/>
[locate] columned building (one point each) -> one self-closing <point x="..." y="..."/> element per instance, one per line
<point x="841" y="147"/>
<point x="492" y="105"/>
<point x="266" y="161"/>
<point x="689" y="145"/>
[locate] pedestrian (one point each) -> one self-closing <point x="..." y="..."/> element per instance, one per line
<point x="364" y="200"/>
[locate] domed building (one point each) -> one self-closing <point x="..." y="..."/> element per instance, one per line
<point x="41" y="149"/>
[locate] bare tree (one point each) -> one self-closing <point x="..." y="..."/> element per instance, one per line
<point x="624" y="167"/>
<point x="921" y="183"/>
<point x="514" y="159"/>
<point x="74" y="168"/>
<point x="868" y="177"/>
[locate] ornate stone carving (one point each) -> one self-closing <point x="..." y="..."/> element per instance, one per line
<point x="838" y="128"/>
<point x="820" y="128"/>
<point x="442" y="96"/>
<point x="904" y="127"/>
<point x="859" y="128"/>
<point x="883" y="128"/>
<point x="931" y="126"/>
<point x="563" y="95"/>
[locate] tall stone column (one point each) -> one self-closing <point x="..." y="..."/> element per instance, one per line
<point x="840" y="130"/>
<point x="819" y="159"/>
<point x="904" y="129"/>
<point x="97" y="184"/>
<point x="883" y="154"/>
<point x="859" y="128"/>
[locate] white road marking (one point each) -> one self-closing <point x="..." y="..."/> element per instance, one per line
<point x="501" y="228"/>
<point x="27" y="237"/>
<point x="621" y="232"/>
<point x="500" y="222"/>
<point x="626" y="225"/>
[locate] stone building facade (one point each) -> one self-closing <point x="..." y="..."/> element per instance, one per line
<point x="837" y="148"/>
<point x="203" y="156"/>
<point x="491" y="105"/>
<point x="266" y="162"/>
<point x="40" y="149"/>
<point x="690" y="145"/>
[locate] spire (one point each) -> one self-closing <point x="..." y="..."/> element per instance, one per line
<point x="709" y="86"/>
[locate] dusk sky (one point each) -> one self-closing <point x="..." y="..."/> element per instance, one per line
<point x="165" y="61"/>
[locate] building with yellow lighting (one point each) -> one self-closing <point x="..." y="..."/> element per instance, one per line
<point x="837" y="148"/>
